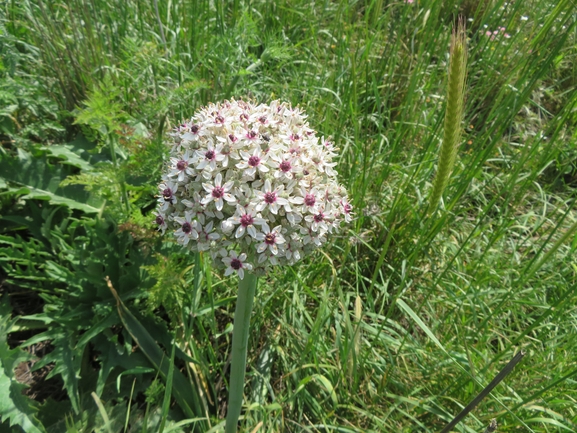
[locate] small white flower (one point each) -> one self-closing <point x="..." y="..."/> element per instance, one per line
<point x="168" y="192"/>
<point x="160" y="221"/>
<point x="181" y="167"/>
<point x="252" y="163"/>
<point x="193" y="133"/>
<point x="197" y="209"/>
<point x="218" y="192"/>
<point x="227" y="151"/>
<point x="246" y="218"/>
<point x="206" y="236"/>
<point x="318" y="221"/>
<point x="236" y="263"/>
<point x="308" y="198"/>
<point x="187" y="230"/>
<point x="270" y="239"/>
<point x="269" y="198"/>
<point x="207" y="158"/>
<point x="347" y="210"/>
<point x="317" y="238"/>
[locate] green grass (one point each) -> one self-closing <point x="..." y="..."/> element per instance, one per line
<point x="407" y="315"/>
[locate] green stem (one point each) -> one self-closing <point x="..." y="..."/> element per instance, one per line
<point x="112" y="147"/>
<point x="246" y="291"/>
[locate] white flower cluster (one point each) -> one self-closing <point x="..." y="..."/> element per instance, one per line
<point x="252" y="184"/>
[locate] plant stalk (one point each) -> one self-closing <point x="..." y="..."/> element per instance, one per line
<point x="244" y="301"/>
<point x="453" y="113"/>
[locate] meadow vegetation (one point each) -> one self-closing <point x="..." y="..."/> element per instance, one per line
<point x="106" y="326"/>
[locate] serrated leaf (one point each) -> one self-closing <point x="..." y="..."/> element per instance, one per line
<point x="77" y="153"/>
<point x="66" y="363"/>
<point x="39" y="194"/>
<point x="68" y="155"/>
<point x="35" y="177"/>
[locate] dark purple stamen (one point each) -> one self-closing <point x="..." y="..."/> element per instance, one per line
<point x="319" y="218"/>
<point x="232" y="138"/>
<point x="167" y="194"/>
<point x="218" y="192"/>
<point x="262" y="119"/>
<point x="219" y="119"/>
<point x="310" y="200"/>
<point x="194" y="129"/>
<point x="348" y="208"/>
<point x="295" y="137"/>
<point x="186" y="228"/>
<point x="285" y="166"/>
<point x="246" y="220"/>
<point x="159" y="220"/>
<point x="269" y="197"/>
<point x="253" y="161"/>
<point x="235" y="264"/>
<point x="251" y="134"/>
<point x="181" y="165"/>
<point x="210" y="155"/>
<point x="244" y="117"/>
<point x="269" y="238"/>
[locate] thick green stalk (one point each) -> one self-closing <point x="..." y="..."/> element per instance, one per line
<point x="246" y="291"/>
<point x="453" y="113"/>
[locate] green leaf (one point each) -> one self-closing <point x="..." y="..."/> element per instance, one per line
<point x="14" y="406"/>
<point x="186" y="396"/>
<point x="35" y="177"/>
<point x="66" y="153"/>
<point x="405" y="307"/>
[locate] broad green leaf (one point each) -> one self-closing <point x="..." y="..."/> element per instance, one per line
<point x="185" y="394"/>
<point x="35" y="177"/>
<point x="68" y="155"/>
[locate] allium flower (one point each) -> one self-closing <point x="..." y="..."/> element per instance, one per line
<point x="246" y="218"/>
<point x="236" y="264"/>
<point x="251" y="184"/>
<point x="218" y="192"/>
<point x="270" y="239"/>
<point x="160" y="221"/>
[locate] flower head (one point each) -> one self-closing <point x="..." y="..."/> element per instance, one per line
<point x="251" y="184"/>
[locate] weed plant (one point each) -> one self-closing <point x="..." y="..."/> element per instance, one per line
<point x="397" y="325"/>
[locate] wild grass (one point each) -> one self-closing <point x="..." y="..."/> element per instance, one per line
<point x="408" y="315"/>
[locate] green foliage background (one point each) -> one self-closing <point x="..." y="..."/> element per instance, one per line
<point x="397" y="325"/>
